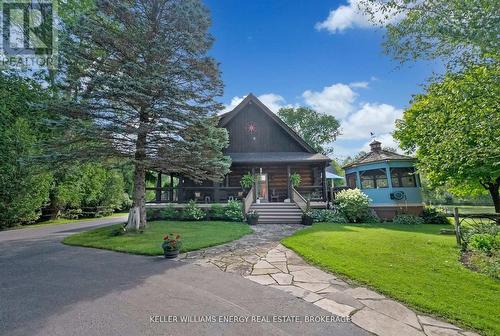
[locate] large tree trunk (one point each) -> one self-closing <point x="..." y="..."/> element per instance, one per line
<point x="493" y="189"/>
<point x="137" y="214"/>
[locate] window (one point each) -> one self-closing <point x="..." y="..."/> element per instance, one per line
<point x="403" y="177"/>
<point x="351" y="180"/>
<point x="372" y="179"/>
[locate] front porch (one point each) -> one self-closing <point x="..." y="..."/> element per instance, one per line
<point x="272" y="185"/>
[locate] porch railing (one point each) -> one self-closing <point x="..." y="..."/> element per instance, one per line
<point x="198" y="194"/>
<point x="249" y="200"/>
<point x="299" y="200"/>
<point x="313" y="193"/>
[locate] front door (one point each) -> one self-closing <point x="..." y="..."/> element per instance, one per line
<point x="262" y="187"/>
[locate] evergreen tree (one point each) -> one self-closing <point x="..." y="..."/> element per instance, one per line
<point x="140" y="86"/>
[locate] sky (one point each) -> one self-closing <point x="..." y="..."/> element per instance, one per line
<point x="321" y="54"/>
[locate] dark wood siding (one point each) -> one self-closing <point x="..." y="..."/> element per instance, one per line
<point x="268" y="137"/>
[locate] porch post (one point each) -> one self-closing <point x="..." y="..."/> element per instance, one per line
<point x="254" y="185"/>
<point x="289" y="185"/>
<point x="323" y="182"/>
<point x="158" y="188"/>
<point x="171" y="188"/>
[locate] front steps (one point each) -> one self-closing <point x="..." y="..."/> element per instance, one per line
<point x="278" y="213"/>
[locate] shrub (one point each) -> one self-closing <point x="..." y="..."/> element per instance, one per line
<point x="328" y="216"/>
<point x="484" y="242"/>
<point x="193" y="212"/>
<point x="483" y="263"/>
<point x="233" y="211"/>
<point x="217" y="211"/>
<point x="370" y="217"/>
<point x="432" y="215"/>
<point x="407" y="220"/>
<point x="487" y="228"/>
<point x="353" y="204"/>
<point x="168" y="212"/>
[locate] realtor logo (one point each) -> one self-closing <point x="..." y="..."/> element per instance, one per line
<point x="29" y="36"/>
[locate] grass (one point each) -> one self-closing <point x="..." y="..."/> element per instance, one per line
<point x="60" y="221"/>
<point x="195" y="235"/>
<point x="468" y="209"/>
<point x="414" y="264"/>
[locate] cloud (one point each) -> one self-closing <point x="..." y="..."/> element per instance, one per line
<point x="351" y="16"/>
<point x="371" y="117"/>
<point x="335" y="100"/>
<point x="273" y="101"/>
<point x="359" y="85"/>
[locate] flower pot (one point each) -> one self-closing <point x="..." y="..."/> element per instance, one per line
<point x="306" y="220"/>
<point x="170" y="254"/>
<point x="253" y="220"/>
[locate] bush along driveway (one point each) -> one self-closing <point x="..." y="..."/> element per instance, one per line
<point x="411" y="263"/>
<point x="271" y="264"/>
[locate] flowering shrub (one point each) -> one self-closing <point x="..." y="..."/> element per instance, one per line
<point x="193" y="212"/>
<point x="353" y="204"/>
<point x="328" y="216"/>
<point x="233" y="211"/>
<point x="171" y="242"/>
<point x="407" y="220"/>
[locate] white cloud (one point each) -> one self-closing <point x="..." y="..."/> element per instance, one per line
<point x="350" y="16"/>
<point x="273" y="101"/>
<point x="334" y="100"/>
<point x="372" y="117"/>
<point x="359" y="85"/>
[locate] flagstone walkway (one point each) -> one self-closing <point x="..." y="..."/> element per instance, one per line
<point x="260" y="258"/>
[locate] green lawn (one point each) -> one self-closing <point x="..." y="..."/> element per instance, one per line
<point x="195" y="235"/>
<point x="414" y="264"/>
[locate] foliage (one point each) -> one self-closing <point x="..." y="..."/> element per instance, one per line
<point x="488" y="264"/>
<point x="457" y="31"/>
<point x="295" y="180"/>
<point x="481" y="228"/>
<point x="217" y="211"/>
<point x="317" y="129"/>
<point x="192" y="211"/>
<point x="252" y="217"/>
<point x="139" y="85"/>
<point x="370" y="217"/>
<point x="412" y="264"/>
<point x="247" y="181"/>
<point x="195" y="235"/>
<point x="24" y="186"/>
<point x="329" y="216"/>
<point x="166" y="213"/>
<point x="454" y="129"/>
<point x="353" y="204"/>
<point x="171" y="242"/>
<point x="431" y="215"/>
<point x="233" y="211"/>
<point x="405" y="219"/>
<point x="484" y="242"/>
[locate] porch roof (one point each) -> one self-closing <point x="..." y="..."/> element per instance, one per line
<point x="276" y="157"/>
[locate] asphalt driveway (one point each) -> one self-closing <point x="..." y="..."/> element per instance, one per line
<point x="47" y="288"/>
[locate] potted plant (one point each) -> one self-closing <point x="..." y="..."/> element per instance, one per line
<point x="171" y="245"/>
<point x="252" y="217"/>
<point x="307" y="218"/>
<point x="247" y="181"/>
<point x="295" y="180"/>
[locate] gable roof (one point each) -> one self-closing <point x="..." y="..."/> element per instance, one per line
<point x="377" y="154"/>
<point x="228" y="116"/>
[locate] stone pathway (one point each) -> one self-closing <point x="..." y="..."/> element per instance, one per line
<point x="260" y="258"/>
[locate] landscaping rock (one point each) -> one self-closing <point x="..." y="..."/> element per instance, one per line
<point x="382" y="325"/>
<point x="395" y="310"/>
<point x="334" y="307"/>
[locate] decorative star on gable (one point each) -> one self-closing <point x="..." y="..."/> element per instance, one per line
<point x="251" y="127"/>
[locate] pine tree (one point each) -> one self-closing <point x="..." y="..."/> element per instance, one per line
<point x="140" y="86"/>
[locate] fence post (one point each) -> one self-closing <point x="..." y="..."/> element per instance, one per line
<point x="457" y="226"/>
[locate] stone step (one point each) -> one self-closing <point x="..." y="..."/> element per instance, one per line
<point x="269" y="204"/>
